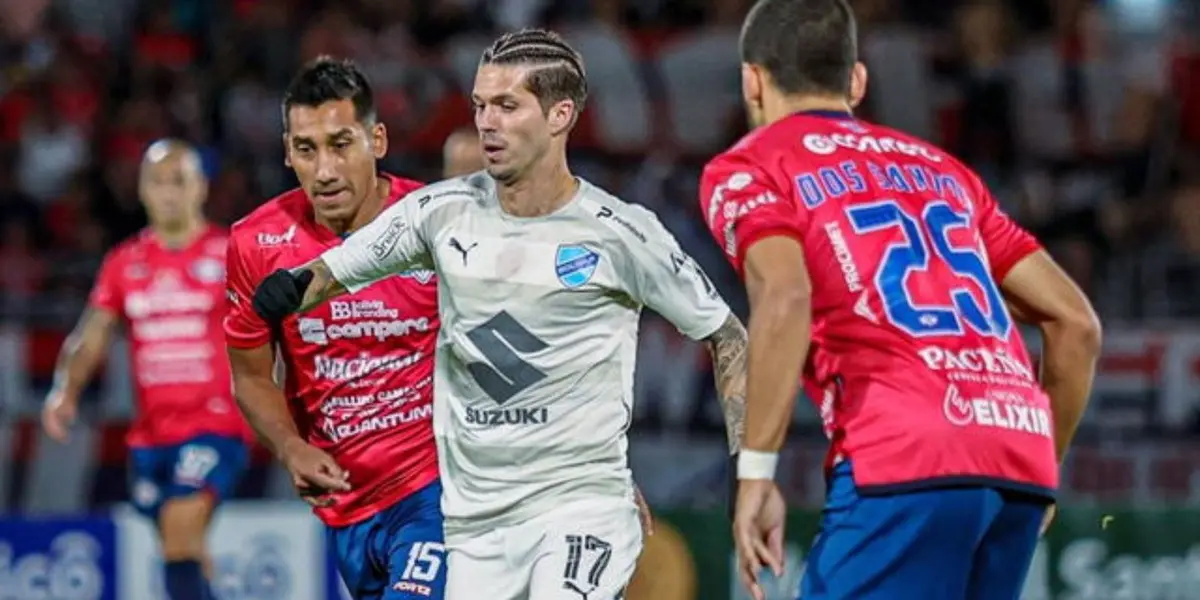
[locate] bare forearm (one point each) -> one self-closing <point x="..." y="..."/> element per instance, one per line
<point x="265" y="408"/>
<point x="779" y="337"/>
<point x="1069" y="356"/>
<point x="75" y="367"/>
<point x="82" y="353"/>
<point x="322" y="287"/>
<point x="728" y="348"/>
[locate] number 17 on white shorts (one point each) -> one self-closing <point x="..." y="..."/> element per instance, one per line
<point x="577" y="551"/>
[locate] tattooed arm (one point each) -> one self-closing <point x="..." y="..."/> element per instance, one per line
<point x="728" y="348"/>
<point x="322" y="287"/>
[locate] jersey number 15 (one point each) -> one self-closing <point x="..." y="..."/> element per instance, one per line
<point x="925" y="239"/>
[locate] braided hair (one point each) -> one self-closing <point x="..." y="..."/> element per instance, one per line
<point x="557" y="74"/>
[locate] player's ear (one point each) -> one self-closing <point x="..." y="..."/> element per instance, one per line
<point x="379" y="141"/>
<point x="753" y="86"/>
<point x="858" y="84"/>
<point x="561" y="116"/>
<point x="287" y="152"/>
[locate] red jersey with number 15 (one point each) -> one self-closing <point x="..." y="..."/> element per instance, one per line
<point x="916" y="365"/>
<point x="170" y="300"/>
<point x="359" y="367"/>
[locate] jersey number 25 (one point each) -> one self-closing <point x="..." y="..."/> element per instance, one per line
<point x="926" y="239"/>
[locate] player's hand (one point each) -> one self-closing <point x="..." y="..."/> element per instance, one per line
<point x="58" y="414"/>
<point x="644" y="514"/>
<point x="315" y="474"/>
<point x="280" y="294"/>
<point x="1048" y="518"/>
<point x="758" y="520"/>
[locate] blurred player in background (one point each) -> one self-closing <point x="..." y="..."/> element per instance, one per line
<point x="542" y="278"/>
<point x="461" y="155"/>
<point x="166" y="285"/>
<point x="878" y="269"/>
<point x="352" y="422"/>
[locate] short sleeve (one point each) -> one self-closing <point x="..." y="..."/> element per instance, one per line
<point x="664" y="278"/>
<point x="243" y="327"/>
<point x="1006" y="242"/>
<point x="392" y="243"/>
<point x="107" y="293"/>
<point x="742" y="204"/>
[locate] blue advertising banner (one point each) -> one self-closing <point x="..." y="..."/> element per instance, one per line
<point x="64" y="559"/>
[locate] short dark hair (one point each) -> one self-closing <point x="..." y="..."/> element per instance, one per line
<point x="327" y="79"/>
<point x="808" y="46"/>
<point x="560" y="75"/>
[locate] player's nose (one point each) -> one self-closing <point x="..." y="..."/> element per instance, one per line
<point x="485" y="120"/>
<point x="327" y="176"/>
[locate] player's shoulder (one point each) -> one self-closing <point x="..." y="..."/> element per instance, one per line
<point x="136" y="247"/>
<point x="736" y="158"/>
<point x="215" y="240"/>
<point x="883" y="139"/>
<point x="616" y="216"/>
<point x="873" y="137"/>
<point x="278" y="216"/>
<point x="450" y="196"/>
<point x="402" y="186"/>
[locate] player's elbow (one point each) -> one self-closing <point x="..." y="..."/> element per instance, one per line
<point x="1080" y="328"/>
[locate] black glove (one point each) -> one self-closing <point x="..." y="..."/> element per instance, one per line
<point x="280" y="294"/>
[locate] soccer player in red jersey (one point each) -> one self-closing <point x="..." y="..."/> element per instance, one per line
<point x="166" y="285"/>
<point x="883" y="275"/>
<point x="352" y="422"/>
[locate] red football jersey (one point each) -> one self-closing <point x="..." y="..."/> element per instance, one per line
<point x="916" y="365"/>
<point x="359" y="367"/>
<point x="171" y="303"/>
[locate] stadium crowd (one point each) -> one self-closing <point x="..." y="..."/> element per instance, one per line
<point x="1082" y="118"/>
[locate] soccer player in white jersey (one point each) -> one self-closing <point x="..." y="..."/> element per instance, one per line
<point x="542" y="277"/>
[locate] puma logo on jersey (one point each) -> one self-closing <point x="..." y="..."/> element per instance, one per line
<point x="454" y="243"/>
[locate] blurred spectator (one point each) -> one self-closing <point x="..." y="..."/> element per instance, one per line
<point x="66" y="215"/>
<point x="1074" y="117"/>
<point x="15" y="206"/>
<point x="51" y="149"/>
<point x="984" y="138"/>
<point x="250" y="113"/>
<point x="1174" y="259"/>
<point x="22" y="268"/>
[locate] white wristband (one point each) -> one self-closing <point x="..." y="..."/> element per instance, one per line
<point x="752" y="464"/>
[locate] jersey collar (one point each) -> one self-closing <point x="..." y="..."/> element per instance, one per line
<point x="827" y="114"/>
<point x="157" y="241"/>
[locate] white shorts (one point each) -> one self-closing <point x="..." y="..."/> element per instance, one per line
<point x="573" y="552"/>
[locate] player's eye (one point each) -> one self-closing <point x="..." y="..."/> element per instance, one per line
<point x="341" y="145"/>
<point x="508" y="107"/>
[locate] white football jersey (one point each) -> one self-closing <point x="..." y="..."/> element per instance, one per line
<point x="533" y="390"/>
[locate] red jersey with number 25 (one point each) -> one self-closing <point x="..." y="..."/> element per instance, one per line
<point x="916" y="365"/>
<point x="359" y="367"/>
<point x="171" y="301"/>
